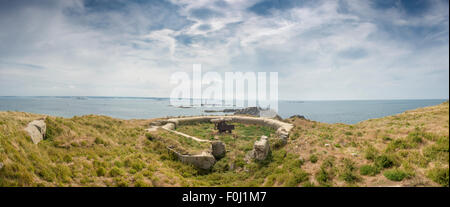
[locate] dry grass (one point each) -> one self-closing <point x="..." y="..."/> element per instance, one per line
<point x="413" y="139"/>
<point x="408" y="149"/>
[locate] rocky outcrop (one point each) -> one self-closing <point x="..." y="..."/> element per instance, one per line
<point x="155" y="123"/>
<point x="36" y="129"/>
<point x="254" y="111"/>
<point x="229" y="110"/>
<point x="169" y="126"/>
<point x="203" y="161"/>
<point x="298" y="117"/>
<point x="218" y="149"/>
<point x="261" y="149"/>
<point x="258" y="111"/>
<point x="223" y="111"/>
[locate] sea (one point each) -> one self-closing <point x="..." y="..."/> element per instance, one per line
<point x="342" y="111"/>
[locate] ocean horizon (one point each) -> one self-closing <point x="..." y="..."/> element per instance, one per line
<point x="327" y="111"/>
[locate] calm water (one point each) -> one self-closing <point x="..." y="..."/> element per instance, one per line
<point x="128" y="108"/>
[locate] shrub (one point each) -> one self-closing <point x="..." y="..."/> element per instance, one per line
<point x="347" y="172"/>
<point x="313" y="158"/>
<point x="326" y="136"/>
<point x="239" y="162"/>
<point x="439" y="175"/>
<point x="298" y="176"/>
<point x="349" y="177"/>
<point x="67" y="158"/>
<point x="118" y="163"/>
<point x="328" y="162"/>
<point x="63" y="172"/>
<point x="138" y="165"/>
<point x="438" y="150"/>
<point x="295" y="135"/>
<point x="323" y="177"/>
<point x="415" y="137"/>
<point x="386" y="138"/>
<point x="52" y="129"/>
<point x="278" y="143"/>
<point x="115" y="171"/>
<point x="398" y="144"/>
<point x="371" y="153"/>
<point x="141" y="183"/>
<point x="101" y="171"/>
<point x="395" y="174"/>
<point x="46" y="174"/>
<point x="418" y="159"/>
<point x="149" y="136"/>
<point x="221" y="166"/>
<point x="368" y="170"/>
<point x="308" y="184"/>
<point x="120" y="182"/>
<point x="99" y="141"/>
<point x="299" y="162"/>
<point x="384" y="161"/>
<point x="411" y="141"/>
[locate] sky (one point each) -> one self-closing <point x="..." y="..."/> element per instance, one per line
<point x="322" y="50"/>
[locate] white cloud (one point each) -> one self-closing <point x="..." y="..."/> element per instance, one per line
<point x="320" y="51"/>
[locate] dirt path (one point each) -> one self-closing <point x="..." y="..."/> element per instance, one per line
<point x="179" y="133"/>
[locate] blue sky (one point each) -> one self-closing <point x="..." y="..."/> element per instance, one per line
<point x="323" y="50"/>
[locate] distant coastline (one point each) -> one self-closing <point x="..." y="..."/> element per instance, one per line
<point x="343" y="111"/>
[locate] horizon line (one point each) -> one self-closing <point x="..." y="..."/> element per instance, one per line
<point x="155" y="97"/>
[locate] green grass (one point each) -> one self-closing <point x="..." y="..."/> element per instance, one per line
<point x="323" y="177"/>
<point x="439" y="150"/>
<point x="371" y="153"/>
<point x="347" y="171"/>
<point x="313" y="158"/>
<point x="180" y="143"/>
<point x="413" y="140"/>
<point x="77" y="151"/>
<point x="245" y="132"/>
<point x="395" y="174"/>
<point x="384" y="161"/>
<point x="369" y="170"/>
<point x="439" y="175"/>
<point x="101" y="171"/>
<point x="297" y="177"/>
<point x="102" y="151"/>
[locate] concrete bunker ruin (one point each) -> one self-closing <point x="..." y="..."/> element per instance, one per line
<point x="207" y="159"/>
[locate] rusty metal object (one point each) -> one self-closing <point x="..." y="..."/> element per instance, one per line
<point x="222" y="126"/>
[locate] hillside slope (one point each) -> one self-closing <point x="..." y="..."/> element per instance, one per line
<point x="408" y="149"/>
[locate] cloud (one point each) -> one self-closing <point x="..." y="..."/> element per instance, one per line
<point x="267" y="7"/>
<point x="347" y="49"/>
<point x="204" y="27"/>
<point x="205" y="13"/>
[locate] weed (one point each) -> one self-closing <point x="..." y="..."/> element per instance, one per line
<point x="439" y="175"/>
<point x="371" y="153"/>
<point x="395" y="174"/>
<point x="384" y="161"/>
<point x="369" y="170"/>
<point x="101" y="171"/>
<point x="313" y="158"/>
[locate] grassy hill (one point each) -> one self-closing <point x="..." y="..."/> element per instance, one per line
<point x="408" y="149"/>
